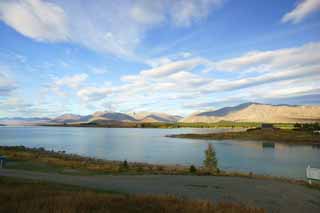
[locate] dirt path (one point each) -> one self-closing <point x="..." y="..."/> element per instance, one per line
<point x="275" y="196"/>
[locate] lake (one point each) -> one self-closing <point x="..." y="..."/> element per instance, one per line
<point x="151" y="146"/>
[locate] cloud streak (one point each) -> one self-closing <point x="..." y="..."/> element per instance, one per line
<point x="270" y="60"/>
<point x="302" y="10"/>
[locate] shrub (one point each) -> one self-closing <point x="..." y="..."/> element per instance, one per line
<point x="193" y="169"/>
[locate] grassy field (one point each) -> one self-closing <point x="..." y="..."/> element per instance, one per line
<point x="277" y="135"/>
<point x="18" y="195"/>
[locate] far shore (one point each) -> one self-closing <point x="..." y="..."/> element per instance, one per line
<point x="271" y="135"/>
<point x="117" y="124"/>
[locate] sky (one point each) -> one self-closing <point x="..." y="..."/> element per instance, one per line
<point x="173" y="56"/>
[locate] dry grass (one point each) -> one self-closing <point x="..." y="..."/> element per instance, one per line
<point x="277" y="135"/>
<point x="70" y="161"/>
<point x="25" y="196"/>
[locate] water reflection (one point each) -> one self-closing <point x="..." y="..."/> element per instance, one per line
<point x="268" y="145"/>
<point x="316" y="146"/>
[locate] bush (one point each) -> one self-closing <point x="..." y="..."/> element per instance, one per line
<point x="193" y="169"/>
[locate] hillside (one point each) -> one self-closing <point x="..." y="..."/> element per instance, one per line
<point x="255" y="112"/>
<point x="71" y="118"/>
<point x="150" y="117"/>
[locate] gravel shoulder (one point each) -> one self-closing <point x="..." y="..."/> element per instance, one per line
<point x="275" y="196"/>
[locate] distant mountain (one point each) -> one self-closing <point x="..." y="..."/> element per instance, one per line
<point x="226" y="110"/>
<point x="103" y="118"/>
<point x="71" y="118"/>
<point x="150" y="117"/>
<point x="24" y="121"/>
<point x="256" y="112"/>
<point x="113" y="116"/>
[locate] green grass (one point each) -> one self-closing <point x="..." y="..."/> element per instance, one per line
<point x="17" y="195"/>
<point x="277" y="135"/>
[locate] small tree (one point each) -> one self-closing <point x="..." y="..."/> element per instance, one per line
<point x="125" y="164"/>
<point x="210" y="161"/>
<point x="192" y="169"/>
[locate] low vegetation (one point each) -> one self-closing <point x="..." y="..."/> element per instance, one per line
<point x="311" y="127"/>
<point x="29" y="196"/>
<point x="275" y="135"/>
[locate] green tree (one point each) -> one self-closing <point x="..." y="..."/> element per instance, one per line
<point x="125" y="164"/>
<point x="210" y="161"/>
<point x="192" y="169"/>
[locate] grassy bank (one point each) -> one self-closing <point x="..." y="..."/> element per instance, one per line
<point x="277" y="135"/>
<point x="39" y="159"/>
<point x="18" y="195"/>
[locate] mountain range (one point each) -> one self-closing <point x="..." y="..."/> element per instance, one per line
<point x="103" y="117"/>
<point x="256" y="112"/>
<point x="246" y="112"/>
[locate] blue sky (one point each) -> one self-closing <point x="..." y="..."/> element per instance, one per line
<point x="173" y="56"/>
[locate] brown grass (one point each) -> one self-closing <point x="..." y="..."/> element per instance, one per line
<point x="277" y="135"/>
<point x="25" y="196"/>
<point x="70" y="161"/>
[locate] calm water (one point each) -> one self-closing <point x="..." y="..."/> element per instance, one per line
<point x="150" y="145"/>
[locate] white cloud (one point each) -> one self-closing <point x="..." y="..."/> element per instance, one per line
<point x="277" y="75"/>
<point x="163" y="60"/>
<point x="156" y="62"/>
<point x="169" y="68"/>
<point x="148" y="12"/>
<point x="42" y="21"/>
<point x="185" y="12"/>
<point x="303" y="9"/>
<point x="106" y="26"/>
<point x="72" y="81"/>
<point x="178" y="80"/>
<point x="270" y="60"/>
<point x="94" y="93"/>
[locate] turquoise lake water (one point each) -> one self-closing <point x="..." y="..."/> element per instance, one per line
<point x="151" y="146"/>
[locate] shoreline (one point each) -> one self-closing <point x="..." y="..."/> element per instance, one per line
<point x="276" y="136"/>
<point x="39" y="159"/>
